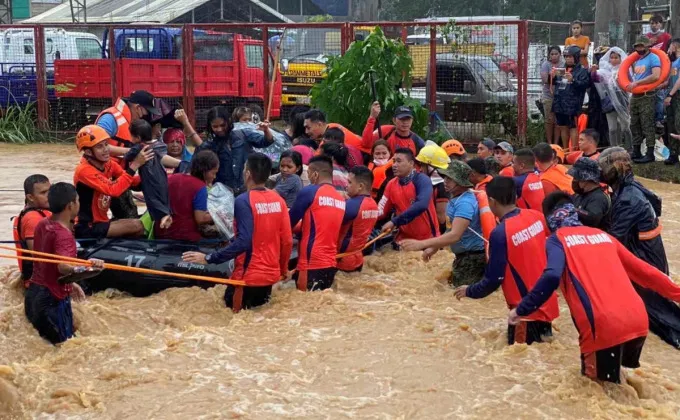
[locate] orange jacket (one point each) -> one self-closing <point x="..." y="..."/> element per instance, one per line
<point x="556" y="178"/>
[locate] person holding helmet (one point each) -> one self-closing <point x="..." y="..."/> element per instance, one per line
<point x="98" y="179"/>
<point x="464" y="234"/>
<point x="397" y="136"/>
<point x="455" y="150"/>
<point x="570" y="86"/>
<point x="431" y="158"/>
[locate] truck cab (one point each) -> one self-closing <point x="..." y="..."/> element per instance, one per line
<point x="18" y="80"/>
<point x="473" y="92"/>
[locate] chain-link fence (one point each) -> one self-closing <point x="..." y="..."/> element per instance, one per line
<point x="470" y="75"/>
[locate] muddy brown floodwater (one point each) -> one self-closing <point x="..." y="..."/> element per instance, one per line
<point x="391" y="342"/>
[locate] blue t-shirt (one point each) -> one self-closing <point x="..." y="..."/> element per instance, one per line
<point x="675" y="73"/>
<point x="643" y="67"/>
<point x="466" y="207"/>
<point x="108" y="123"/>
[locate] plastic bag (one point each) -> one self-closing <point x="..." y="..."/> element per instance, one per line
<point x="221" y="208"/>
<point x="280" y="145"/>
<point x="661" y="152"/>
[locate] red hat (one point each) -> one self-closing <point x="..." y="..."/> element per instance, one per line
<point x="172" y="135"/>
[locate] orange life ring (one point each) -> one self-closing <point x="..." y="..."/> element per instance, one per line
<point x="623" y="77"/>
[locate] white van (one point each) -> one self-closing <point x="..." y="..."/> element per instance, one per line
<point x="18" y="48"/>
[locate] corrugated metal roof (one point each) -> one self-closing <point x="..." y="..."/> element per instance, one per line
<point x="115" y="11"/>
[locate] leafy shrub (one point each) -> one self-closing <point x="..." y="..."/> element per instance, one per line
<point x="345" y="94"/>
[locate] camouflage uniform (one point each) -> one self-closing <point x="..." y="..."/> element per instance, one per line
<point x="468" y="268"/>
<point x="642" y="119"/>
<point x="124" y="207"/>
<point x="674" y="123"/>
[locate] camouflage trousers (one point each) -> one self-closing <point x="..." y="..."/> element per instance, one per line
<point x="642" y="122"/>
<point x="124" y="207"/>
<point x="673" y="118"/>
<point x="468" y="268"/>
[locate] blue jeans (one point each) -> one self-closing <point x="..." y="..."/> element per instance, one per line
<point x="658" y="104"/>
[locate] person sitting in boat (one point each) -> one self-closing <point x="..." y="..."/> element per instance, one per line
<point x="47" y="303"/>
<point x="35" y="209"/>
<point x="98" y="179"/>
<point x="320" y="208"/>
<point x="263" y="241"/>
<point x="361" y="213"/>
<point x="176" y="141"/>
<point x="189" y="199"/>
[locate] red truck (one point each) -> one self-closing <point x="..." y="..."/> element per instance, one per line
<point x="228" y="70"/>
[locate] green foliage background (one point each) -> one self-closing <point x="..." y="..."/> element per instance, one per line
<point x="345" y="94"/>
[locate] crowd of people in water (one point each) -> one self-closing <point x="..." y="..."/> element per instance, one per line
<point x="518" y="220"/>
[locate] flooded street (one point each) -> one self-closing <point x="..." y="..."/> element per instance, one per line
<point x="390" y="343"/>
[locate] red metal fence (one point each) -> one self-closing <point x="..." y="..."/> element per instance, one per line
<point x="472" y="75"/>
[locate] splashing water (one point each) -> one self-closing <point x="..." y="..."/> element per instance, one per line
<point x="391" y="342"/>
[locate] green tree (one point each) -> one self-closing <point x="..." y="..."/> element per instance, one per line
<point x="345" y="95"/>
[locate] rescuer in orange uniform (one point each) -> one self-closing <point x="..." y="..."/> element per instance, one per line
<point x="596" y="275"/>
<point x="519" y="234"/>
<point x="529" y="188"/>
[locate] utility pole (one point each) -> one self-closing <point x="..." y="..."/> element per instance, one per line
<point x="611" y="23"/>
<point x="675" y="18"/>
<point x="5" y="12"/>
<point x="78" y="11"/>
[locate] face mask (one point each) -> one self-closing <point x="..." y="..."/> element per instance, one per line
<point x="576" y="187"/>
<point x="673" y="56"/>
<point x="380" y="162"/>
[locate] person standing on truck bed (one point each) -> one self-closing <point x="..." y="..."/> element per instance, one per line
<point x="397" y="136"/>
<point x="316" y="126"/>
<point x="116" y="122"/>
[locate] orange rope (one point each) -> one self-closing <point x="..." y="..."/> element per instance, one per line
<point x="58" y="259"/>
<point x="369" y="243"/>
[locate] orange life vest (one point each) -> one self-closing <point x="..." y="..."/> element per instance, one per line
<point x="379" y="176"/>
<point x="482" y="185"/>
<point x="121" y="112"/>
<point x="486" y="217"/>
<point x="532" y="193"/>
<point x="559" y="178"/>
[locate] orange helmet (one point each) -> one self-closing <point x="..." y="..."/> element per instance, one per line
<point x="453" y="147"/>
<point x="90" y="136"/>
<point x="559" y="152"/>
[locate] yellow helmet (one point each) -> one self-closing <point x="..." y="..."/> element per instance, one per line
<point x="433" y="155"/>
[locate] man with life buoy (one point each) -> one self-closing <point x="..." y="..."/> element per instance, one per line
<point x="466" y="228"/>
<point x="36" y="208"/>
<point x="646" y="70"/>
<point x="520" y="233"/>
<point x="528" y="185"/>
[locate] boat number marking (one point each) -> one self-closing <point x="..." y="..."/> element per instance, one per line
<point x="135" y="259"/>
